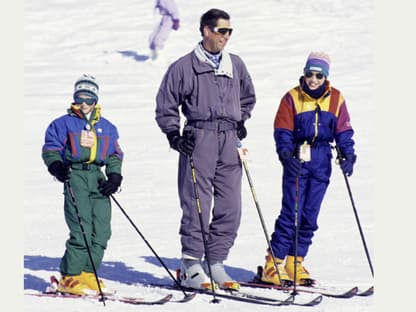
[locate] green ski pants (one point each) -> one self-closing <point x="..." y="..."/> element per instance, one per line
<point x="95" y="213"/>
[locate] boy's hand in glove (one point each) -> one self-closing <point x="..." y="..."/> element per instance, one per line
<point x="111" y="185"/>
<point x="59" y="171"/>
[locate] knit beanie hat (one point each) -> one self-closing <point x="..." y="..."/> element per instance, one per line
<point x="86" y="84"/>
<point x="319" y="62"/>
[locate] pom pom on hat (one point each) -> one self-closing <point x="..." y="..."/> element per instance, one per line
<point x="86" y="84"/>
<point x="319" y="62"/>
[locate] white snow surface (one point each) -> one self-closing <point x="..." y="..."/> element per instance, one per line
<point x="109" y="39"/>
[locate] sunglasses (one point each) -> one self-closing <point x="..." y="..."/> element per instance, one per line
<point x="318" y="76"/>
<point x="89" y="101"/>
<point x="222" y="30"/>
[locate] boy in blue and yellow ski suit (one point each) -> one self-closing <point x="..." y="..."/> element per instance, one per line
<point x="309" y="118"/>
<point x="76" y="146"/>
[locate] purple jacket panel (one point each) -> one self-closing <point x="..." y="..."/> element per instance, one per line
<point x="202" y="95"/>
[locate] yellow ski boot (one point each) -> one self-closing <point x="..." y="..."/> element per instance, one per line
<point x="302" y="275"/>
<point x="73" y="285"/>
<point x="270" y="275"/>
<point x="88" y="278"/>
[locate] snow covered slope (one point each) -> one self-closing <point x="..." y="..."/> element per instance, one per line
<point x="108" y="39"/>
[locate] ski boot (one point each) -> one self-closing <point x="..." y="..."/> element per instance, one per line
<point x="302" y="275"/>
<point x="89" y="279"/>
<point x="271" y="276"/>
<point x="73" y="285"/>
<point x="220" y="276"/>
<point x="192" y="275"/>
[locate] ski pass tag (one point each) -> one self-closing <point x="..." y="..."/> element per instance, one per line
<point x="87" y="138"/>
<point x="305" y="152"/>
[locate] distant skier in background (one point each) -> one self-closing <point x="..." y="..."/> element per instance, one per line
<point x="214" y="91"/>
<point x="76" y="146"/>
<point x="170" y="20"/>
<point x="309" y="118"/>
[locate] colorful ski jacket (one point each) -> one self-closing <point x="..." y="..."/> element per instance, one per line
<point x="65" y="137"/>
<point x="301" y="118"/>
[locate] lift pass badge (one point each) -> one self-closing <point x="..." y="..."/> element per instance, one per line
<point x="87" y="138"/>
<point x="305" y="152"/>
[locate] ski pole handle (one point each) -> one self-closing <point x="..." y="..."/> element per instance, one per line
<point x="242" y="152"/>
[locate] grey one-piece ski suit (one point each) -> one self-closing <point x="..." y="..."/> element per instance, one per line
<point x="212" y="100"/>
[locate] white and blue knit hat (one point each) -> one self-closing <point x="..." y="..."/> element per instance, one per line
<point x="86" y="84"/>
<point x="319" y="62"/>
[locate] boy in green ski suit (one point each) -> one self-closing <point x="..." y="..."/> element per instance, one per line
<point x="76" y="146"/>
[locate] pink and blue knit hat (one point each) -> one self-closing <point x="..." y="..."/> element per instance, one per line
<point x="318" y="62"/>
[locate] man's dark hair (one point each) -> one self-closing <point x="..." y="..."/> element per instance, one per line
<point x="211" y="17"/>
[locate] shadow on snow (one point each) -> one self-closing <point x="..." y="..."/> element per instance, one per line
<point x="134" y="55"/>
<point x="115" y="271"/>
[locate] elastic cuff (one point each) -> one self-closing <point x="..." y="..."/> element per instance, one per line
<point x="188" y="257"/>
<point x="283" y="155"/>
<point x="172" y="134"/>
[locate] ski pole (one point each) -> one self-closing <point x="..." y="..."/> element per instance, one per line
<point x="241" y="153"/>
<point x="341" y="158"/>
<point x="296" y="232"/>
<point x="198" y="207"/>
<point x="148" y="245"/>
<point x="71" y="193"/>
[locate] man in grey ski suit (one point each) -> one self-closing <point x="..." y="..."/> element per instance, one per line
<point x="216" y="96"/>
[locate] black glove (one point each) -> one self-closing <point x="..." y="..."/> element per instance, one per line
<point x="241" y="130"/>
<point x="290" y="164"/>
<point x="347" y="164"/>
<point x="59" y="171"/>
<point x="183" y="144"/>
<point x="111" y="185"/>
<point x="175" y="25"/>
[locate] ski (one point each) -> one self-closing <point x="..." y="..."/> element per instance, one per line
<point x="52" y="291"/>
<point x="129" y="300"/>
<point x="238" y="296"/>
<point x="241" y="296"/>
<point x="367" y="292"/>
<point x="332" y="292"/>
<point x="224" y="295"/>
<point x="290" y="300"/>
<point x="54" y="285"/>
<point x="349" y="293"/>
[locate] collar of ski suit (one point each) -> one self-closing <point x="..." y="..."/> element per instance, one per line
<point x="324" y="92"/>
<point x="224" y="69"/>
<point x="95" y="114"/>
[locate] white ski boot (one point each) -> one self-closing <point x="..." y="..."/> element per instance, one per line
<point x="192" y="275"/>
<point x="220" y="276"/>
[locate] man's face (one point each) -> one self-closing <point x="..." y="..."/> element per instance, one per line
<point x="216" y="38"/>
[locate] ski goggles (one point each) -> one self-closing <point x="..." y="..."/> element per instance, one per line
<point x="222" y="30"/>
<point x="89" y="101"/>
<point x="309" y="74"/>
